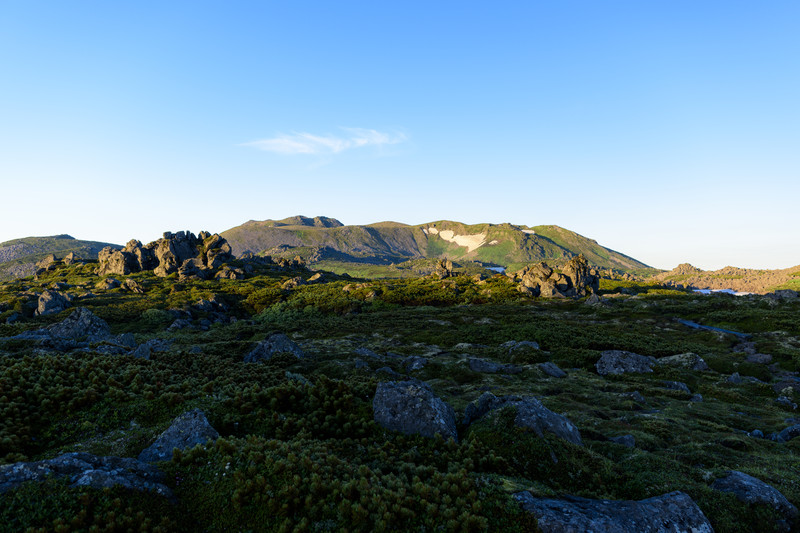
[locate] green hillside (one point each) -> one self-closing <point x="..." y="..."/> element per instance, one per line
<point x="507" y="245"/>
<point x="18" y="257"/>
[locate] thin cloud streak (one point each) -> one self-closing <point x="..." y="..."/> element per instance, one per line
<point x="307" y="143"/>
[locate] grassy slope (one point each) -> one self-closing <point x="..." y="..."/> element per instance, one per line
<point x="21" y="255"/>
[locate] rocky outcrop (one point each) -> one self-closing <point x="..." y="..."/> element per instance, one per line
<point x="274" y="344"/>
<point x="83" y="469"/>
<point x="669" y="513"/>
<point x="622" y="362"/>
<point x="576" y="279"/>
<point x="752" y="490"/>
<point x="187" y="431"/>
<point x="51" y="302"/>
<point x="444" y="269"/>
<point x="183" y="253"/>
<point x="410" y="407"/>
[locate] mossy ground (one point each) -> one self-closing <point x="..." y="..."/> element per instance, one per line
<point x="305" y="457"/>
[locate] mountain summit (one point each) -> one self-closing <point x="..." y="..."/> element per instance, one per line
<point x="323" y="238"/>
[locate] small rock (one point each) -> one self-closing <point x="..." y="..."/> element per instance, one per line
<point x="181" y="323"/>
<point x="551" y="369"/>
<point x="757" y="433"/>
<point x="752" y="490"/>
<point x="786" y="402"/>
<point x="696" y="398"/>
<point x="274" y="344"/>
<point x="759" y="358"/>
<point x="625" y="440"/>
<point x="734" y="378"/>
<point x="621" y="362"/>
<point x="187" y="430"/>
<point x="676" y="385"/>
<point x="518" y="345"/>
<point x="685" y="360"/>
<point x="414" y="363"/>
<point x="490" y="367"/>
<point x="410" y="407"/>
<point x="636" y="396"/>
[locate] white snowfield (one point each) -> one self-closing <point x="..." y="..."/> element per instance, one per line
<point x="470" y="242"/>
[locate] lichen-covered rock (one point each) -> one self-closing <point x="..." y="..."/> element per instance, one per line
<point x="622" y="362"/>
<point x="51" y="302"/>
<point x="684" y="360"/>
<point x="274" y="344"/>
<point x="410" y="407"/>
<point x="749" y="489"/>
<point x="669" y="513"/>
<point x="83" y="469"/>
<point x="187" y="430"/>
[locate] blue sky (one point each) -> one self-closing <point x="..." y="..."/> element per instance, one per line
<point x="668" y="131"/>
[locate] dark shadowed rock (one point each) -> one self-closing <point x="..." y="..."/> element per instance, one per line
<point x="410" y="407"/>
<point x="487" y="402"/>
<point x="414" y="362"/>
<point x="734" y="378"/>
<point x="513" y="346"/>
<point x="187" y="430"/>
<point x="684" y="360"/>
<point x="628" y="441"/>
<point x="792" y="432"/>
<point x="533" y="415"/>
<point x="51" y="302"/>
<point x="676" y="385"/>
<point x="622" y="362"/>
<point x="550" y="369"/>
<point x="274" y="344"/>
<point x="83" y="469"/>
<point x="674" y="512"/>
<point x="752" y="490"/>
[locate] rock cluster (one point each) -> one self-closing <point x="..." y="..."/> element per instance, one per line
<point x="84" y="469"/>
<point x="577" y="278"/>
<point x="189" y="255"/>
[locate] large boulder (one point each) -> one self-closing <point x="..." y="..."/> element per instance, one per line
<point x="410" y="407"/>
<point x="669" y="513"/>
<point x="83" y="469"/>
<point x="752" y="490"/>
<point x="117" y="262"/>
<point x="622" y="362"/>
<point x="274" y="344"/>
<point x="583" y="278"/>
<point x="187" y="430"/>
<point x="81" y="323"/>
<point x="51" y="302"/>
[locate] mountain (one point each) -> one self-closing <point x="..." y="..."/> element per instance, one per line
<point x="322" y="238"/>
<point x="737" y="279"/>
<point x="18" y="257"/>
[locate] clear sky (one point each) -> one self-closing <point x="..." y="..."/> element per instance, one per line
<point x="666" y="130"/>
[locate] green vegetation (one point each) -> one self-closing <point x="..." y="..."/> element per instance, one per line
<point x="299" y="449"/>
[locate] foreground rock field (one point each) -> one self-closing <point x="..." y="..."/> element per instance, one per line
<point x="211" y="394"/>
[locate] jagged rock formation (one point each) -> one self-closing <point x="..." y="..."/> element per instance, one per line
<point x="668" y="513"/>
<point x="189" y="255"/>
<point x="51" y="302"/>
<point x="577" y="278"/>
<point x="410" y="407"/>
<point x="187" y="430"/>
<point x="84" y="469"/>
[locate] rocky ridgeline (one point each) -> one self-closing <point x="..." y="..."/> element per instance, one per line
<point x="577" y="278"/>
<point x="190" y="256"/>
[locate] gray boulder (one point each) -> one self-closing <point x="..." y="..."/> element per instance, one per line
<point x="51" y="302"/>
<point x="752" y="490"/>
<point x="490" y="367"/>
<point x="274" y="344"/>
<point x="685" y="360"/>
<point x="622" y="362"/>
<point x="83" y="469"/>
<point x="789" y="433"/>
<point x="533" y="415"/>
<point x="81" y="323"/>
<point x="410" y="407"/>
<point x="670" y="513"/>
<point x="187" y="430"/>
<point x="551" y="370"/>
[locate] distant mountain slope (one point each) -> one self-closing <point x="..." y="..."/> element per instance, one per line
<point x="18" y="257"/>
<point x="737" y="279"/>
<point x="498" y="244"/>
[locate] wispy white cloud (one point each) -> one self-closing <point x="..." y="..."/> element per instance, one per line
<point x="307" y="143"/>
